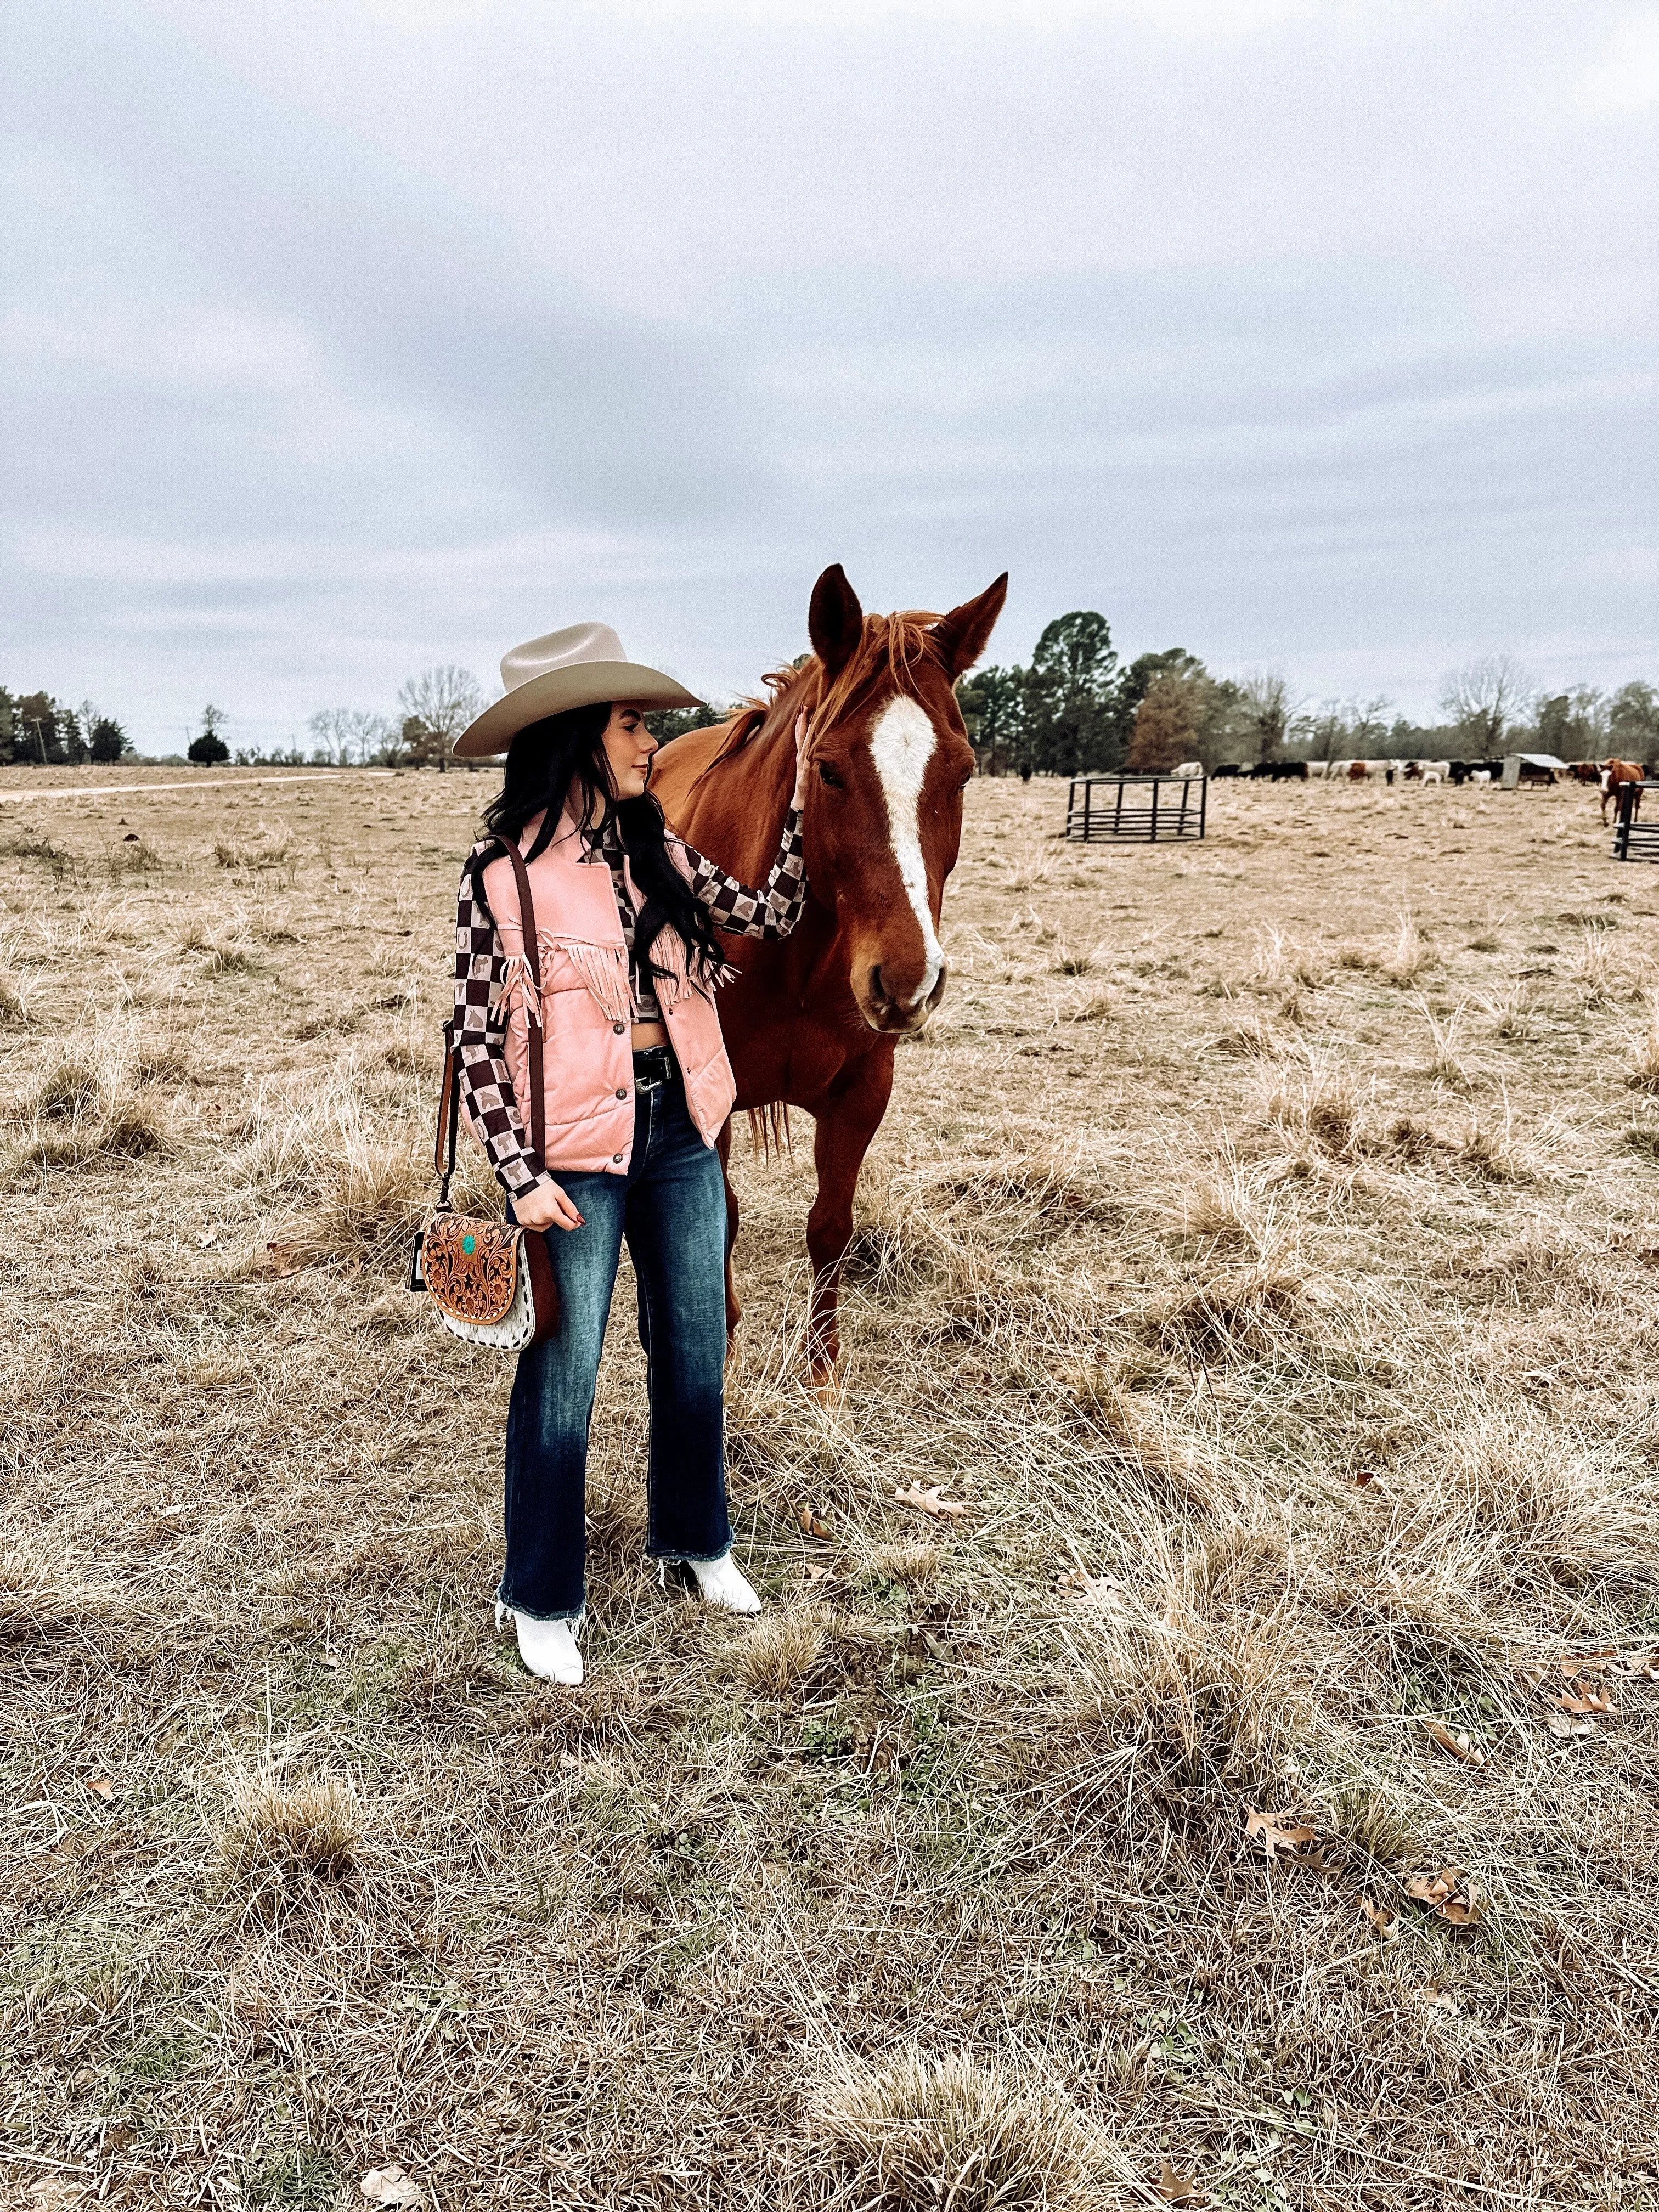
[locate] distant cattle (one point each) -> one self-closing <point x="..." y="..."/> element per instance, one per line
<point x="1188" y="768"/>
<point x="1586" y="771"/>
<point x="1474" y="771"/>
<point x="1282" y="771"/>
<point x="1226" y="767"/>
<point x="1616" y="774"/>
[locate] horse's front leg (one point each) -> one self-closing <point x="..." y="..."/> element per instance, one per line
<point x="846" y="1123"/>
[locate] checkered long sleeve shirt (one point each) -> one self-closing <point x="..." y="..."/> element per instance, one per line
<point x="481" y="968"/>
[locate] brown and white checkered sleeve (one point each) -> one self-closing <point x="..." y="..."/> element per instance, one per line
<point x="480" y="1031"/>
<point x="771" y="911"/>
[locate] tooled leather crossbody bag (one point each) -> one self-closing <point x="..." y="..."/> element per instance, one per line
<point x="490" y="1281"/>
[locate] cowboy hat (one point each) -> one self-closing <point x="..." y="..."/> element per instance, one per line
<point x="582" y="666"/>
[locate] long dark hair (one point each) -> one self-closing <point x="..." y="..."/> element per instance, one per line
<point x="562" y="759"/>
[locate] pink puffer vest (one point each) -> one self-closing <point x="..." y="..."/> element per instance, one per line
<point x="587" y="1057"/>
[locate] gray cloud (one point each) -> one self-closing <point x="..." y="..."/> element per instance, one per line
<point x="346" y="340"/>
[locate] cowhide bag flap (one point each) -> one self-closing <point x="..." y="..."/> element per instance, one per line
<point x="490" y="1281"/>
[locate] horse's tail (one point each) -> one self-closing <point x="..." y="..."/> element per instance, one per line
<point x="770" y="1131"/>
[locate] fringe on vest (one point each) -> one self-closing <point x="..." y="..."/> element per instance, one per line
<point x="604" y="972"/>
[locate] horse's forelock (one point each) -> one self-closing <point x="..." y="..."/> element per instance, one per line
<point x="896" y="645"/>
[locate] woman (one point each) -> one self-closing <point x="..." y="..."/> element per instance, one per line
<point x="637" y="1088"/>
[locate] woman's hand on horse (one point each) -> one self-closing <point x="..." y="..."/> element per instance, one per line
<point x="800" y="757"/>
<point x="546" y="1207"/>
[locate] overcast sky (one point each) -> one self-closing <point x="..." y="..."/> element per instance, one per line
<point x="345" y="337"/>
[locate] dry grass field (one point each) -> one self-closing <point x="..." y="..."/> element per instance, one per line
<point x="1241" y="1790"/>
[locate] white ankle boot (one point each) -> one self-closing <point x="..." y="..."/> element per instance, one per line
<point x="548" y="1648"/>
<point x="723" y="1582"/>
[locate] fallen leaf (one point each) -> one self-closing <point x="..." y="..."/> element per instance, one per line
<point x="1096" y="1589"/>
<point x="930" y="1501"/>
<point x="1276" y="1833"/>
<point x="1584" y="1697"/>
<point x="1450" y="1892"/>
<point x="1386" y="1923"/>
<point x="101" y="1786"/>
<point x="1457" y="1741"/>
<point x="1564" y="1724"/>
<point x="811" y="1523"/>
<point x="1175" y="2187"/>
<point x="1644" y="1665"/>
<point x="817" y="1574"/>
<point x="391" y="2186"/>
<point x="1366" y="1475"/>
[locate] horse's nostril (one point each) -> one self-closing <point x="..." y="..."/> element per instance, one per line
<point x="876" y="991"/>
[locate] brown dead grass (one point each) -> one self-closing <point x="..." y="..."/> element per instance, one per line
<point x="921" y="2132"/>
<point x="1264" y="1262"/>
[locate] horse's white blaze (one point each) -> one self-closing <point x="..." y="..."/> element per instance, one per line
<point x="901" y="744"/>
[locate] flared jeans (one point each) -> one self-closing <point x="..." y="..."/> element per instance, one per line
<point x="671" y="1206"/>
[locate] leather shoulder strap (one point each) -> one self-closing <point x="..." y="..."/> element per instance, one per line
<point x="532" y="953"/>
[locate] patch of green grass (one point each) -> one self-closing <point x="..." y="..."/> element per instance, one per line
<point x="304" y="2176"/>
<point x="161" y="2056"/>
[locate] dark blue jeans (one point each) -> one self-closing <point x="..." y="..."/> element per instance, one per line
<point x="671" y="1205"/>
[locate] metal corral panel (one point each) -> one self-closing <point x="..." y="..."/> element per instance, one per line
<point x="1633" y="839"/>
<point x="1140" y="810"/>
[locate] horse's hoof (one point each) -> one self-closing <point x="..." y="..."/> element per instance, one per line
<point x="823" y="1379"/>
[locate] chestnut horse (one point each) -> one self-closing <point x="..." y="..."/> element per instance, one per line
<point x="813" y="1021"/>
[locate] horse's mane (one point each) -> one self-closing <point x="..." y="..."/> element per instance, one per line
<point x="893" y="644"/>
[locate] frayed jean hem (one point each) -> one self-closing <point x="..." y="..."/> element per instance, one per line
<point x="691" y="1559"/>
<point x="507" y="1606"/>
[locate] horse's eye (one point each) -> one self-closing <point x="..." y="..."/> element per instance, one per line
<point x="831" y="776"/>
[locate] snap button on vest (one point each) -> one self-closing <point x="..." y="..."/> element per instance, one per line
<point x="622" y="1094"/>
<point x="618" y="1029"/>
<point x="615" y="1157"/>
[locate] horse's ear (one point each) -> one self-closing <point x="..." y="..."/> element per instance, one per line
<point x="963" y="634"/>
<point x="835" y="620"/>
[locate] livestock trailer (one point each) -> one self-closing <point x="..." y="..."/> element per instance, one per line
<point x="1143" y="809"/>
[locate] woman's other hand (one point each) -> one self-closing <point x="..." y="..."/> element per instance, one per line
<point x="800" y="757"/>
<point x="546" y="1207"/>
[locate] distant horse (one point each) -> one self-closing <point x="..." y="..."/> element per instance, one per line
<point x="1615" y="773"/>
<point x="814" y="1021"/>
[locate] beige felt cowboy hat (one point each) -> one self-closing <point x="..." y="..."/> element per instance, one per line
<point x="581" y="667"/>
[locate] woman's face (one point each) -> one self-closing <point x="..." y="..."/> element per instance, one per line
<point x="628" y="747"/>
